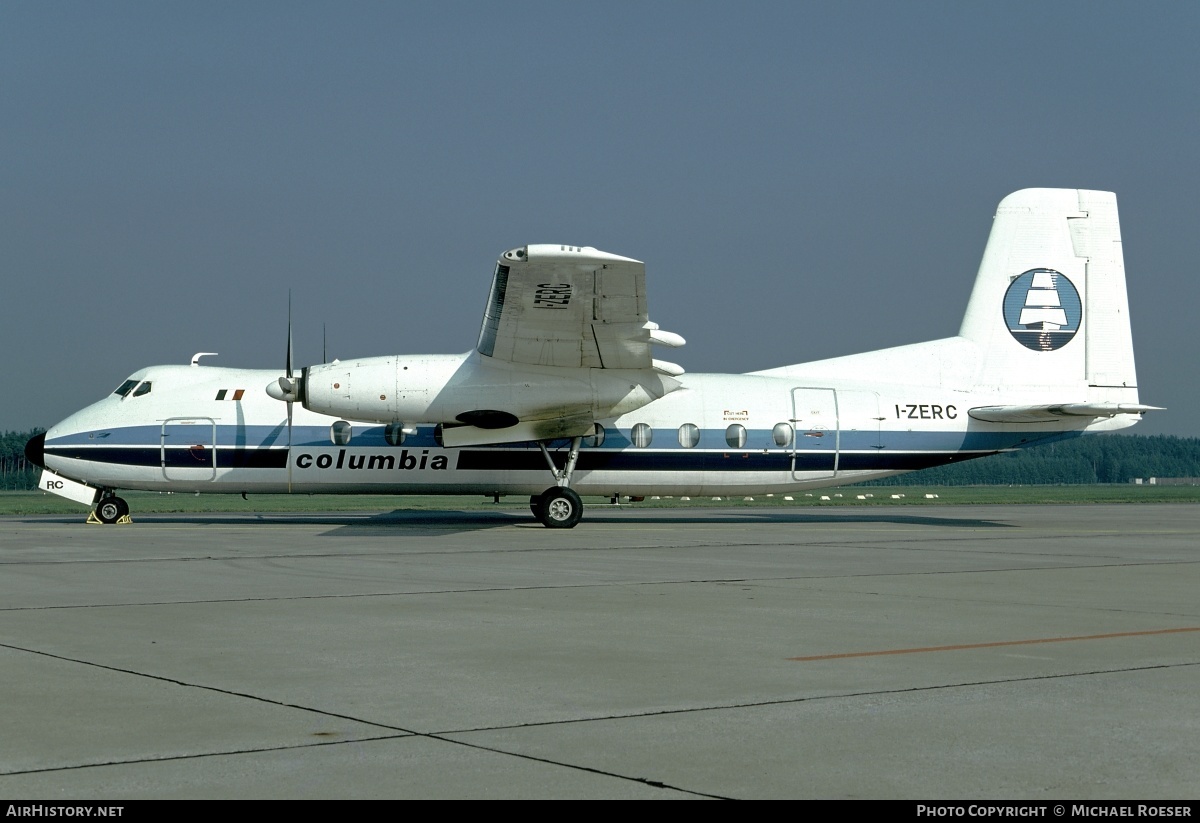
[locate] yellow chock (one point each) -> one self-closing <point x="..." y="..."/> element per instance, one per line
<point x="93" y="520"/>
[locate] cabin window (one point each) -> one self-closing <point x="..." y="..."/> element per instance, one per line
<point x="735" y="436"/>
<point x="125" y="388"/>
<point x="689" y="435"/>
<point x="339" y="433"/>
<point x="782" y="434"/>
<point x="394" y="434"/>
<point x="595" y="439"/>
<point x="641" y="435"/>
<point x="143" y="388"/>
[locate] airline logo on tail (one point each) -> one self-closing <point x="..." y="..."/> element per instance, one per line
<point x="1042" y="309"/>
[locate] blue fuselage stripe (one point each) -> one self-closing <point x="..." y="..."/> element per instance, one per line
<point x="533" y="461"/>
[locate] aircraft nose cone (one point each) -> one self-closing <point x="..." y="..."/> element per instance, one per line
<point x="35" y="450"/>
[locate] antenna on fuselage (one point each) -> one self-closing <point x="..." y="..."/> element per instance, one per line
<point x="196" y="357"/>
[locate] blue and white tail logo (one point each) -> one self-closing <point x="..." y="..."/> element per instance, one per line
<point x="1042" y="309"/>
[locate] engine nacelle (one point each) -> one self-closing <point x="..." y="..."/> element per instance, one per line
<point x="472" y="389"/>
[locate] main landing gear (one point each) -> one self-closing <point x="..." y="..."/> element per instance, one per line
<point x="111" y="509"/>
<point x="559" y="507"/>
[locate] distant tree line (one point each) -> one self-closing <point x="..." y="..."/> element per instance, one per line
<point x="1110" y="458"/>
<point x="15" y="471"/>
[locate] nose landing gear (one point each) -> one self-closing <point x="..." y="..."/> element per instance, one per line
<point x="111" y="509"/>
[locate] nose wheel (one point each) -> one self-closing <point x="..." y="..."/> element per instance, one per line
<point x="111" y="509"/>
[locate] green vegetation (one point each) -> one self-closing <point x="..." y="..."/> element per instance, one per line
<point x="36" y="502"/>
<point x="1113" y="458"/>
<point x="15" y="471"/>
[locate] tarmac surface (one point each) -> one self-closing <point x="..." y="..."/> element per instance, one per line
<point x="925" y="652"/>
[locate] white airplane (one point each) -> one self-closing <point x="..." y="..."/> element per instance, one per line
<point x="561" y="396"/>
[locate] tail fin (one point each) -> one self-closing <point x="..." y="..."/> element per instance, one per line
<point x="1046" y="334"/>
<point x="1049" y="308"/>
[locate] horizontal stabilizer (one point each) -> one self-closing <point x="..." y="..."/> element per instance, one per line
<point x="454" y="437"/>
<point x="1055" y="411"/>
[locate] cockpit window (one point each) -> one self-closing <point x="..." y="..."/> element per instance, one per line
<point x="143" y="388"/>
<point x="125" y="388"/>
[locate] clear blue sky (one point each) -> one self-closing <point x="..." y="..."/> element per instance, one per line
<point x="803" y="180"/>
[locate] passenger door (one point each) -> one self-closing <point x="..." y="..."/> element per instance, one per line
<point x="188" y="448"/>
<point x="816" y="444"/>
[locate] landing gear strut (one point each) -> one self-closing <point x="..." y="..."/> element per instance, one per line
<point x="559" y="507"/>
<point x="110" y="509"/>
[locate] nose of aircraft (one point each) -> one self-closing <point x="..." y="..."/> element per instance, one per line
<point x="35" y="450"/>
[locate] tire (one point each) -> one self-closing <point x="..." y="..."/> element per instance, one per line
<point x="111" y="509"/>
<point x="561" y="508"/>
<point x="535" y="506"/>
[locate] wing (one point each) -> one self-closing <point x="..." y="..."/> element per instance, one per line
<point x="571" y="306"/>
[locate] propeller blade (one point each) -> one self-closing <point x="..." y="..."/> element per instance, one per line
<point x="289" y="348"/>
<point x="289" y="451"/>
<point x="289" y="389"/>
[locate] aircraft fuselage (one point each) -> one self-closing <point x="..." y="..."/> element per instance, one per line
<point x="214" y="430"/>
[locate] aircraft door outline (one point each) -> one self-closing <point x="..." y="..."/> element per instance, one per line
<point x="188" y="448"/>
<point x="816" y="444"/>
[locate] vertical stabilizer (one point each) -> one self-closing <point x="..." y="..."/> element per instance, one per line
<point x="1049" y="308"/>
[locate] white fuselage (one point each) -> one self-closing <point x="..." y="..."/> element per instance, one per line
<point x="215" y="430"/>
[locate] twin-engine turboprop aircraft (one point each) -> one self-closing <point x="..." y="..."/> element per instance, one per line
<point x="561" y="396"/>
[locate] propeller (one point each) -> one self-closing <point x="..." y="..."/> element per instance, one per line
<point x="288" y="389"/>
<point x="288" y="384"/>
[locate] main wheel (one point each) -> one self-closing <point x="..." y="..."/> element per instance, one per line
<point x="535" y="506"/>
<point x="561" y="508"/>
<point x="111" y="509"/>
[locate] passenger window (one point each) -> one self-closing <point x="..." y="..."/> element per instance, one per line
<point x="125" y="388"/>
<point x="393" y="434"/>
<point x="735" y="436"/>
<point x="689" y="435"/>
<point x="642" y="434"/>
<point x="782" y="434"/>
<point x="339" y="433"/>
<point x="595" y="439"/>
<point x="144" y="388"/>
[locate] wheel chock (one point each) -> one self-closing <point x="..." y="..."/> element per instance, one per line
<point x="93" y="520"/>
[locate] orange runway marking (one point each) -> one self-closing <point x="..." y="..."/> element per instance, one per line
<point x="991" y="645"/>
